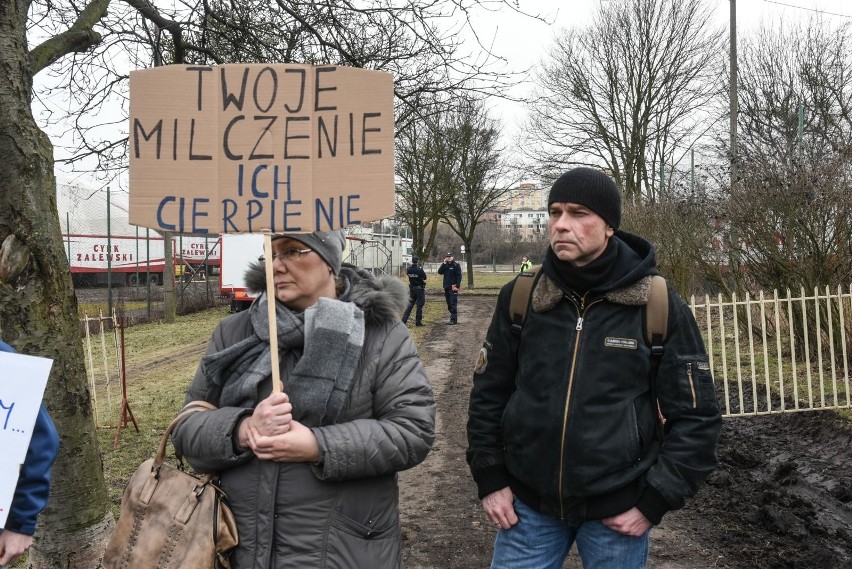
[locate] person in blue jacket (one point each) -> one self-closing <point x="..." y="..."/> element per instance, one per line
<point x="33" y="486"/>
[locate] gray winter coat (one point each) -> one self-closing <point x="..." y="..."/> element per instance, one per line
<point x="342" y="512"/>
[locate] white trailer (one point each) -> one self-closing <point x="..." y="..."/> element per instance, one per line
<point x="238" y="251"/>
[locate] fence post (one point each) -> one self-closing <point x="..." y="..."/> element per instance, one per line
<point x="777" y="308"/>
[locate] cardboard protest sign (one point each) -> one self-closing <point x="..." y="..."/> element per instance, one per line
<point x="21" y="390"/>
<point x="260" y="148"/>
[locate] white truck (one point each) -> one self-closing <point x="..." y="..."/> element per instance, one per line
<point x="238" y="251"/>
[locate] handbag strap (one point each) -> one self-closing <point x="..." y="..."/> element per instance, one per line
<point x="188" y="409"/>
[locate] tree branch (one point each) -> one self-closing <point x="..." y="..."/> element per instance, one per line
<point x="150" y="12"/>
<point x="79" y="37"/>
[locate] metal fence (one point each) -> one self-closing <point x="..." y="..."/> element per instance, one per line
<point x="768" y="354"/>
<point x="779" y="354"/>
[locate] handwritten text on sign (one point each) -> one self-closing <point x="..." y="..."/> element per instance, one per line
<point x="21" y="390"/>
<point x="252" y="147"/>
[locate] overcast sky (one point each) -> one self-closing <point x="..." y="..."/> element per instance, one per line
<point x="523" y="41"/>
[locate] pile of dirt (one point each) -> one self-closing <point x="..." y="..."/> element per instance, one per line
<point x="781" y="497"/>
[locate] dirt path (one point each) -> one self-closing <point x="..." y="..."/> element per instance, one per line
<point x="782" y="496"/>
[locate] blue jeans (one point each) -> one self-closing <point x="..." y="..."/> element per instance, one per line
<point x="542" y="542"/>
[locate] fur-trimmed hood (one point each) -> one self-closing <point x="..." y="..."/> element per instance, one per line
<point x="547" y="294"/>
<point x="381" y="298"/>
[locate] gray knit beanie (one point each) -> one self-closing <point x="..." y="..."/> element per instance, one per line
<point x="329" y="245"/>
<point x="591" y="188"/>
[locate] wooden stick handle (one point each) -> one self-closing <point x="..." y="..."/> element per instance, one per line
<point x="272" y="316"/>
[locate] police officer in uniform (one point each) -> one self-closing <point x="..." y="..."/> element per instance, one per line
<point x="417" y="291"/>
<point x="452" y="281"/>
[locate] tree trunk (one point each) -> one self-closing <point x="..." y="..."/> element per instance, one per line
<point x="38" y="314"/>
<point x="469" y="262"/>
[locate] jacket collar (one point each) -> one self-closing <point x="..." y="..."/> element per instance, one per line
<point x="547" y="294"/>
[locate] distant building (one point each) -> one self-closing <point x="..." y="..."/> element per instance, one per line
<point x="524" y="213"/>
<point x="525" y="225"/>
<point x="525" y="196"/>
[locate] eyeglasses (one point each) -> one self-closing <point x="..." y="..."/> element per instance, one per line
<point x="290" y="254"/>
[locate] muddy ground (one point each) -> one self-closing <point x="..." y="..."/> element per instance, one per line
<point x="781" y="497"/>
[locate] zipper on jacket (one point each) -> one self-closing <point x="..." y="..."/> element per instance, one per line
<point x="581" y="311"/>
<point x="691" y="384"/>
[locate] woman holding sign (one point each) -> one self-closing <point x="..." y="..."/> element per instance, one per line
<point x="311" y="472"/>
<point x="33" y="486"/>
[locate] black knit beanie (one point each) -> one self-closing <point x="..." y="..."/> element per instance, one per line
<point x="591" y="188"/>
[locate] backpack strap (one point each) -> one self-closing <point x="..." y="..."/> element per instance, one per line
<point x="656" y="331"/>
<point x="657" y="315"/>
<point x="520" y="300"/>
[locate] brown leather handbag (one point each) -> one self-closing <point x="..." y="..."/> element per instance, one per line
<point x="170" y="518"/>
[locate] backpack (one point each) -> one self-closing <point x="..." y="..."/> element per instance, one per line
<point x="656" y="322"/>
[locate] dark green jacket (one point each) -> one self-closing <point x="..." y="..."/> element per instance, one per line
<point x="569" y="421"/>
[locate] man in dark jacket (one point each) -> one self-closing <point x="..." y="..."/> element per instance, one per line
<point x="416" y="292"/>
<point x="452" y="282"/>
<point x="563" y="435"/>
<point x="33" y="486"/>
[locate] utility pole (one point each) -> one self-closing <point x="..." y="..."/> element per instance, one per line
<point x="732" y="96"/>
<point x="732" y="102"/>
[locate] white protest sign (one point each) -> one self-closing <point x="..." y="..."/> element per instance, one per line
<point x="21" y="391"/>
<point x="260" y="148"/>
<point x="8" y="481"/>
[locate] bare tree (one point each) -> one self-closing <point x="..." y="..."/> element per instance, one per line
<point x="785" y="223"/>
<point x="626" y="92"/>
<point x="789" y="214"/>
<point x="419" y="42"/>
<point x="682" y="234"/>
<point x="87" y="49"/>
<point x="423" y="173"/>
<point x="479" y="172"/>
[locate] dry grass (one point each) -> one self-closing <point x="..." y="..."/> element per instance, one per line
<point x="161" y="360"/>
